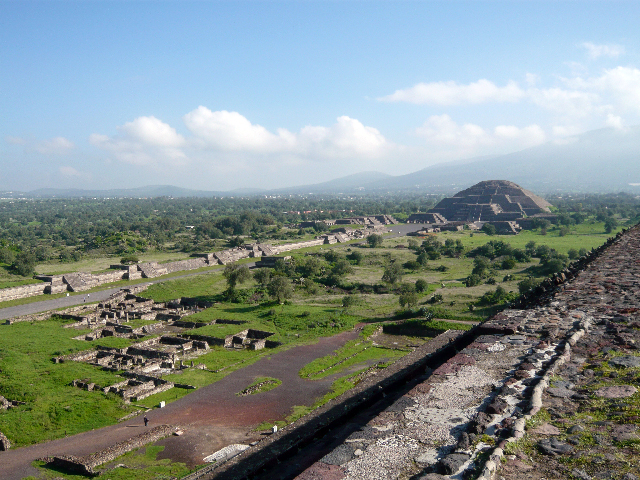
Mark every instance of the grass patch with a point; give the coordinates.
(352, 353)
(52, 407)
(260, 385)
(140, 464)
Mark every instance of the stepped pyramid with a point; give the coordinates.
(491, 201)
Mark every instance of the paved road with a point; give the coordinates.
(73, 300)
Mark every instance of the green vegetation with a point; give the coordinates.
(52, 407)
(352, 353)
(323, 291)
(260, 385)
(141, 464)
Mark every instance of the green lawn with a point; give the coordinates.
(52, 407)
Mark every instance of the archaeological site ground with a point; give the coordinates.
(492, 334)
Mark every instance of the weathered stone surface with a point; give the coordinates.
(580, 474)
(617, 391)
(452, 462)
(575, 429)
(322, 471)
(560, 392)
(342, 454)
(546, 429)
(628, 361)
(623, 433)
(497, 406)
(5, 444)
(551, 446)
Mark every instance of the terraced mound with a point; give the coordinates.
(491, 200)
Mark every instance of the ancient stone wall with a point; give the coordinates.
(22, 291)
(87, 465)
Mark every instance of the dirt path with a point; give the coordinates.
(212, 417)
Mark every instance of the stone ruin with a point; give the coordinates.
(83, 281)
(249, 339)
(145, 362)
(5, 444)
(499, 202)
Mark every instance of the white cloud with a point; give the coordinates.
(614, 121)
(532, 79)
(569, 103)
(346, 137)
(55, 146)
(596, 51)
(15, 140)
(453, 93)
(144, 141)
(231, 131)
(229, 140)
(448, 140)
(68, 171)
(151, 131)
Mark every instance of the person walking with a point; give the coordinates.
(146, 421)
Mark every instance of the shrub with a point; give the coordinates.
(408, 299)
(472, 280)
(421, 285)
(508, 263)
(374, 240)
(527, 284)
(436, 298)
(129, 260)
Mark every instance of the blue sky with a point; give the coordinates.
(219, 95)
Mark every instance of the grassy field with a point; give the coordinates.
(53, 409)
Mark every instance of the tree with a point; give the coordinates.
(527, 284)
(480, 266)
(355, 257)
(392, 273)
(351, 300)
(280, 289)
(7, 256)
(236, 274)
(374, 240)
(408, 300)
(489, 229)
(421, 285)
(610, 224)
(24, 264)
(341, 268)
(262, 276)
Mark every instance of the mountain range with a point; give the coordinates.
(599, 161)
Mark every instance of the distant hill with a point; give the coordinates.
(359, 182)
(140, 192)
(605, 160)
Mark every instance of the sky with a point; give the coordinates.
(219, 95)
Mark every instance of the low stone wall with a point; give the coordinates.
(87, 465)
(5, 444)
(287, 247)
(189, 264)
(23, 291)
